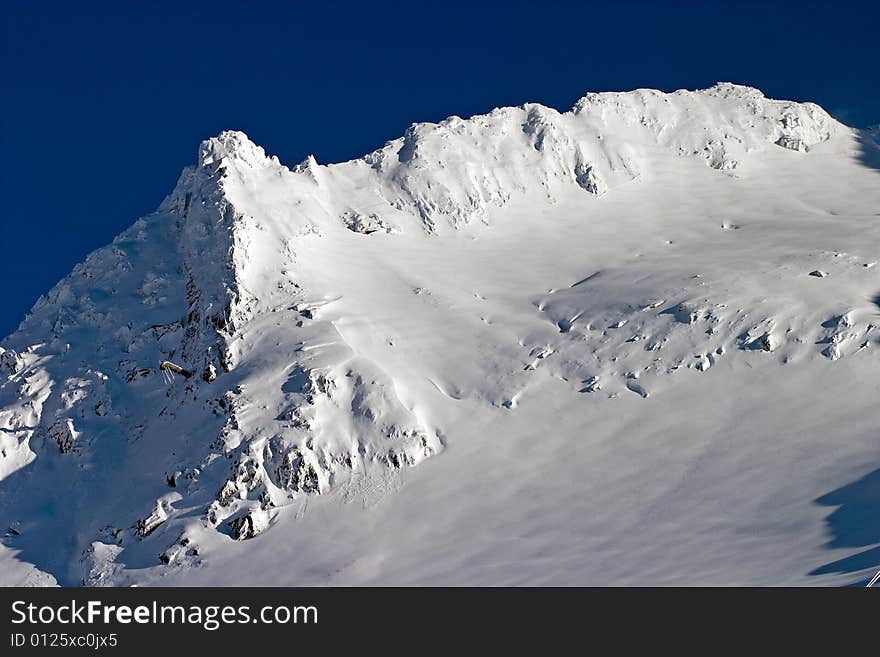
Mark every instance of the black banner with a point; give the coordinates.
(247, 620)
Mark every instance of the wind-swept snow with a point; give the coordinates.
(636, 342)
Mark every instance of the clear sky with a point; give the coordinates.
(104, 103)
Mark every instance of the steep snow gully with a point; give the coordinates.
(632, 343)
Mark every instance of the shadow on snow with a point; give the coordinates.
(855, 523)
(869, 148)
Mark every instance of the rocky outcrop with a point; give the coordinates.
(64, 435)
(10, 362)
(149, 524)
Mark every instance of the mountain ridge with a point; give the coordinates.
(796, 126)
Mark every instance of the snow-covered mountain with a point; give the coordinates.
(632, 343)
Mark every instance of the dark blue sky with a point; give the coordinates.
(104, 103)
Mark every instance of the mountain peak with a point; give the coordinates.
(733, 90)
(231, 144)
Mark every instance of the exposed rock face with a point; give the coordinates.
(209, 374)
(146, 526)
(10, 362)
(366, 224)
(249, 525)
(64, 435)
(588, 179)
(792, 144)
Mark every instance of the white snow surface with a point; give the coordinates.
(634, 343)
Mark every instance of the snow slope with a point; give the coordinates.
(632, 343)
